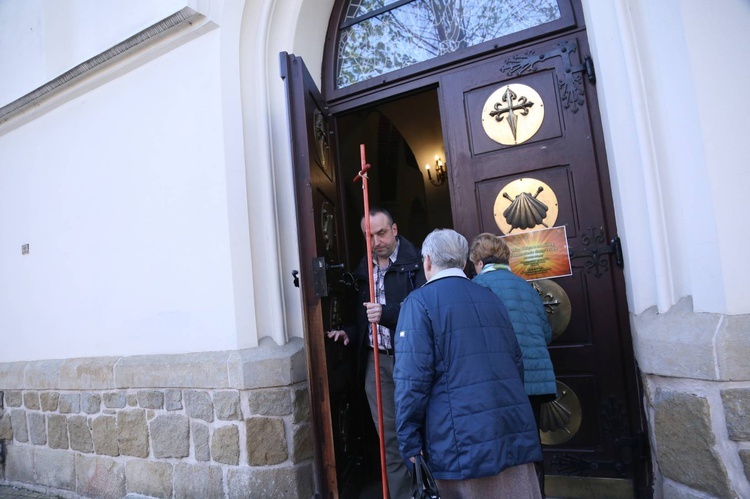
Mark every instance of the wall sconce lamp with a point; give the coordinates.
(440, 174)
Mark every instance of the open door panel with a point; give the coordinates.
(326, 286)
(305, 108)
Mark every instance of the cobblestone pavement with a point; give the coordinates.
(10, 492)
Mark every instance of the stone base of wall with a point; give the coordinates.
(213, 425)
(697, 379)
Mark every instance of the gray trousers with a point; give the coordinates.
(399, 480)
(518, 482)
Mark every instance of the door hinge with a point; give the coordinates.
(595, 250)
(616, 246)
(587, 67)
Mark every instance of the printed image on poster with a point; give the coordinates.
(539, 254)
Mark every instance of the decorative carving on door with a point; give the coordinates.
(556, 304)
(320, 129)
(327, 225)
(525, 204)
(595, 250)
(513, 114)
(560, 419)
(570, 85)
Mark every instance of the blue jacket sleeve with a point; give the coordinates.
(413, 375)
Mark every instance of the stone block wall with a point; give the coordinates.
(697, 378)
(154, 426)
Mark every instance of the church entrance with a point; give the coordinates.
(515, 125)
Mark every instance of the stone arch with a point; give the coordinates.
(260, 162)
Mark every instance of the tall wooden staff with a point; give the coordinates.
(365, 189)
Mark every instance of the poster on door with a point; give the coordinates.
(539, 254)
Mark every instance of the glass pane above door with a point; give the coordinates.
(378, 36)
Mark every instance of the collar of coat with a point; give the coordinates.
(408, 255)
(494, 266)
(453, 272)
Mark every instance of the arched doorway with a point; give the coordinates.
(594, 438)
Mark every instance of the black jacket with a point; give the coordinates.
(401, 278)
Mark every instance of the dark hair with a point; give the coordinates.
(374, 210)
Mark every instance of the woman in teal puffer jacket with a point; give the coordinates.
(490, 256)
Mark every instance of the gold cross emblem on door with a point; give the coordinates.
(513, 114)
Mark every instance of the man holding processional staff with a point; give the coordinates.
(391, 271)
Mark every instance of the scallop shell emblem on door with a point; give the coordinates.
(525, 204)
(560, 419)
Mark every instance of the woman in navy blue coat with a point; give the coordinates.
(458, 380)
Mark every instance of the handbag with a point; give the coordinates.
(423, 484)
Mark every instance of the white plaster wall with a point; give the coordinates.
(240, 183)
(677, 179)
(678, 151)
(615, 84)
(717, 41)
(121, 195)
(298, 27)
(41, 39)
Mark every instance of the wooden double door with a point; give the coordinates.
(595, 439)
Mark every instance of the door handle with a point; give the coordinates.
(320, 269)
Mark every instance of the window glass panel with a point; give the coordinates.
(425, 29)
(358, 8)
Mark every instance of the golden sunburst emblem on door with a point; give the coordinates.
(513, 114)
(525, 204)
